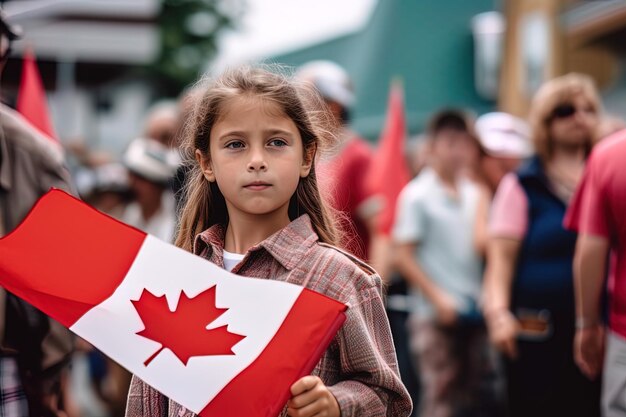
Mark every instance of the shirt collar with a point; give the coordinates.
(288, 246)
(533, 169)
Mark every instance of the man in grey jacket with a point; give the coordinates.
(34, 349)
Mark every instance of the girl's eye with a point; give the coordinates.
(235, 145)
(277, 142)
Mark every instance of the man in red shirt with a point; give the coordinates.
(342, 175)
(598, 215)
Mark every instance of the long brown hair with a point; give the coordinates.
(550, 95)
(204, 204)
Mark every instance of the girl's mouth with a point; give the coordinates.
(257, 186)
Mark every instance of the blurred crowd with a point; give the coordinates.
(479, 264)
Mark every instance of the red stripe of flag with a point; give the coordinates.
(87, 267)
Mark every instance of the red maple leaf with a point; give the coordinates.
(184, 331)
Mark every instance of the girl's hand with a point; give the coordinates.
(503, 328)
(310, 397)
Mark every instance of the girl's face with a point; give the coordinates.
(256, 157)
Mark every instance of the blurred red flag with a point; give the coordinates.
(31, 98)
(389, 172)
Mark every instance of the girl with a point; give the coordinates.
(253, 206)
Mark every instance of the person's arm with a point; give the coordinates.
(589, 272)
(370, 382)
(502, 325)
(410, 229)
(410, 269)
(481, 222)
(507, 227)
(145, 401)
(589, 216)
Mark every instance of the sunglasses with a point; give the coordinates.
(564, 111)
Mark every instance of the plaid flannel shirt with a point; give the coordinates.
(360, 366)
(13, 401)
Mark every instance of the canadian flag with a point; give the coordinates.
(200, 335)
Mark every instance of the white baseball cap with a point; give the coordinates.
(330, 79)
(504, 135)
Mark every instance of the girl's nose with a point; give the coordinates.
(257, 162)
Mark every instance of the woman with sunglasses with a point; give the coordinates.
(529, 295)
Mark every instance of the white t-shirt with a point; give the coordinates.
(231, 260)
(442, 226)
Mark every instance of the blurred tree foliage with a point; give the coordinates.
(189, 31)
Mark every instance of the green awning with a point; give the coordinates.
(426, 43)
